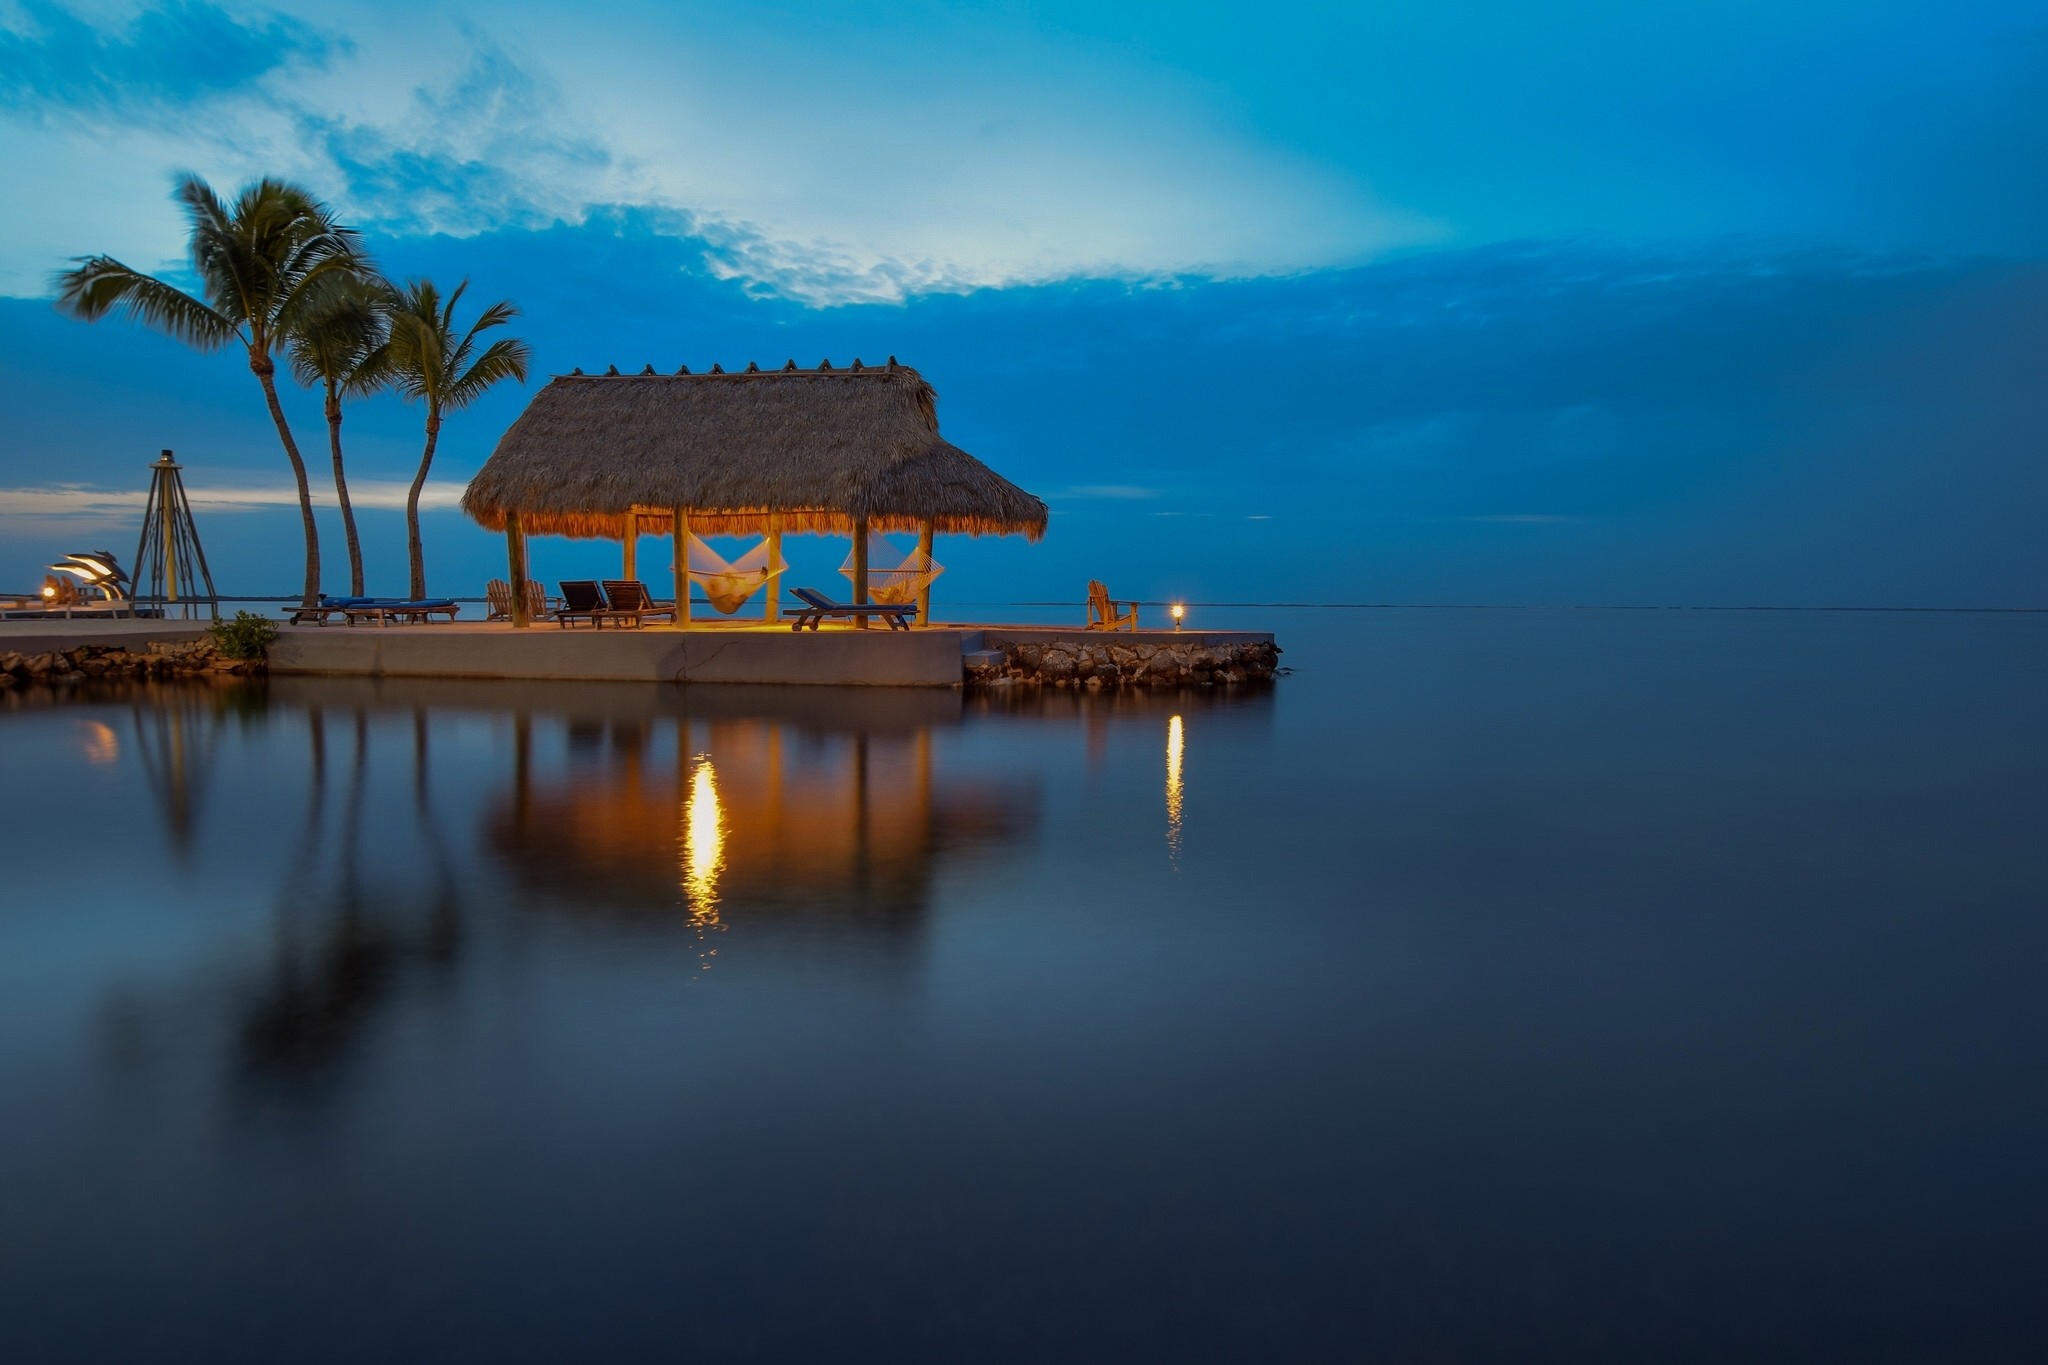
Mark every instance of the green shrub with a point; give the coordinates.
(248, 636)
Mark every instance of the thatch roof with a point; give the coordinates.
(816, 448)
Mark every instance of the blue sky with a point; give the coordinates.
(1457, 302)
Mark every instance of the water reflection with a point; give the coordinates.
(1175, 744)
(394, 830)
(699, 810)
(365, 908)
(703, 842)
(102, 746)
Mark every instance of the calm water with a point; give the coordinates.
(1501, 986)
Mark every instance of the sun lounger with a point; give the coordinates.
(298, 615)
(817, 607)
(383, 612)
(582, 600)
(627, 599)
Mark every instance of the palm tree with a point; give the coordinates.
(430, 363)
(342, 348)
(262, 264)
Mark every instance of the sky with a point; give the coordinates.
(1726, 304)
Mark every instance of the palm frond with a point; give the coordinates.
(372, 372)
(497, 315)
(503, 359)
(427, 360)
(339, 329)
(308, 288)
(101, 285)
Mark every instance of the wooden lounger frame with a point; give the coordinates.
(817, 607)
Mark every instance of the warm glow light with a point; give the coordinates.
(102, 745)
(49, 590)
(1175, 742)
(703, 841)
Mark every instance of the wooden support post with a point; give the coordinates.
(924, 589)
(629, 559)
(515, 564)
(860, 569)
(682, 567)
(772, 610)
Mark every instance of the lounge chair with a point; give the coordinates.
(498, 597)
(817, 607)
(383, 612)
(298, 615)
(327, 607)
(1106, 613)
(582, 600)
(627, 599)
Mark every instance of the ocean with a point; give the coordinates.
(1498, 985)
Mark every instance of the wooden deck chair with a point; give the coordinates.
(498, 597)
(1106, 613)
(582, 600)
(627, 599)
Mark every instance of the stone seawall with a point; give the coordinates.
(158, 659)
(1137, 663)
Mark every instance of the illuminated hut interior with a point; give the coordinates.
(852, 451)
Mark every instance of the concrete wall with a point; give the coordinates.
(874, 658)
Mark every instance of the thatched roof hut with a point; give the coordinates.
(815, 450)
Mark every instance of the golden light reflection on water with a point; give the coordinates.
(1175, 744)
(102, 745)
(703, 842)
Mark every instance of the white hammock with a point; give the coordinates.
(894, 579)
(727, 586)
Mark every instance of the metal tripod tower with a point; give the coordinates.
(170, 568)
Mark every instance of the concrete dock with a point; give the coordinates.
(837, 655)
(699, 654)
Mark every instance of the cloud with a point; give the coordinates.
(808, 168)
(54, 63)
(1115, 492)
(1521, 519)
(80, 506)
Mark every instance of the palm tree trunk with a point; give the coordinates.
(266, 373)
(348, 513)
(415, 549)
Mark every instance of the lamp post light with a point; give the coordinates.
(1178, 612)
